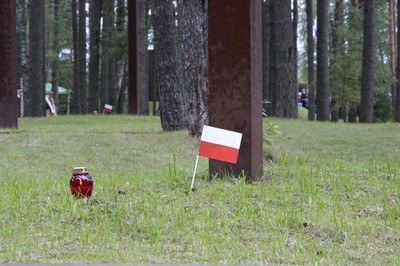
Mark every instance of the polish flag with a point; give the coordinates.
(108, 108)
(220, 144)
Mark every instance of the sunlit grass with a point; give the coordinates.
(330, 195)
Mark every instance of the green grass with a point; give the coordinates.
(330, 195)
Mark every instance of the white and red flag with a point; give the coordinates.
(108, 108)
(220, 144)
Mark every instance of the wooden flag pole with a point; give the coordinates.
(194, 173)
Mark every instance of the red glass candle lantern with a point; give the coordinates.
(81, 183)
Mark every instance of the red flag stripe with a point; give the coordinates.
(218, 152)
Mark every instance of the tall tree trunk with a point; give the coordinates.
(56, 51)
(77, 107)
(367, 78)
(310, 60)
(143, 60)
(107, 55)
(82, 56)
(323, 100)
(173, 105)
(337, 56)
(8, 65)
(284, 57)
(193, 24)
(295, 25)
(94, 63)
(266, 45)
(120, 64)
(397, 109)
(393, 50)
(35, 96)
(22, 51)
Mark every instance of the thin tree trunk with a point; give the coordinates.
(266, 27)
(393, 50)
(76, 89)
(143, 60)
(323, 100)
(397, 109)
(35, 96)
(310, 60)
(22, 48)
(107, 65)
(367, 79)
(82, 56)
(295, 24)
(94, 63)
(56, 50)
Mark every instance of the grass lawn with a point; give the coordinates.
(330, 195)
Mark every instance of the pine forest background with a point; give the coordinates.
(343, 52)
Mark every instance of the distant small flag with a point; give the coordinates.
(108, 108)
(220, 144)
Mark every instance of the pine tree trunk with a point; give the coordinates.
(94, 63)
(310, 60)
(143, 60)
(393, 51)
(367, 79)
(35, 96)
(295, 25)
(56, 50)
(107, 62)
(77, 107)
(266, 44)
(82, 56)
(173, 104)
(284, 57)
(193, 18)
(8, 65)
(397, 109)
(323, 100)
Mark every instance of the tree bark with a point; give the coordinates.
(193, 18)
(323, 100)
(393, 50)
(266, 44)
(8, 65)
(107, 56)
(94, 63)
(173, 104)
(35, 96)
(82, 56)
(397, 109)
(367, 78)
(143, 60)
(284, 57)
(56, 51)
(310, 60)
(77, 107)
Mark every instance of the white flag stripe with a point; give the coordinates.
(107, 106)
(221, 137)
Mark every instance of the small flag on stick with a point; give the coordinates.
(107, 108)
(218, 144)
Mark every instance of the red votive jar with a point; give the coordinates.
(81, 183)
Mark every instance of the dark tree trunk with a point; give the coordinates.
(295, 25)
(367, 79)
(397, 109)
(56, 50)
(77, 107)
(337, 51)
(173, 104)
(323, 100)
(284, 60)
(8, 65)
(143, 60)
(82, 56)
(22, 51)
(310, 60)
(35, 96)
(266, 45)
(393, 52)
(107, 55)
(193, 18)
(94, 63)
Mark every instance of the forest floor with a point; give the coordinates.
(330, 195)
